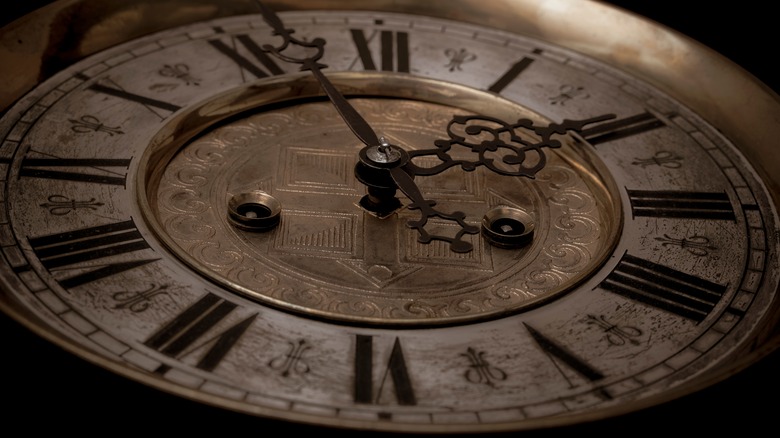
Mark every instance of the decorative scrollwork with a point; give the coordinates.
(292, 362)
(59, 205)
(179, 71)
(307, 63)
(458, 58)
(661, 158)
(88, 123)
(615, 334)
(480, 370)
(696, 245)
(498, 145)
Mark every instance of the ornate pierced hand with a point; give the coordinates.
(519, 155)
(384, 167)
(378, 155)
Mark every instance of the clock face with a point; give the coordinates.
(647, 263)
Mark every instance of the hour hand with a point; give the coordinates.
(512, 149)
(383, 169)
(356, 123)
(381, 164)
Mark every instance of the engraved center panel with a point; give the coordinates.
(329, 258)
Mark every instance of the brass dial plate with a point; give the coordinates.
(328, 258)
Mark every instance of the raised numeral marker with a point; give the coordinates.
(665, 288)
(511, 74)
(396, 368)
(554, 349)
(621, 128)
(192, 324)
(394, 50)
(87, 244)
(94, 169)
(271, 68)
(126, 95)
(679, 204)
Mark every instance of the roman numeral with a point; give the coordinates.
(132, 97)
(511, 74)
(93, 170)
(621, 128)
(396, 369)
(680, 204)
(265, 65)
(185, 330)
(394, 50)
(664, 288)
(76, 247)
(554, 349)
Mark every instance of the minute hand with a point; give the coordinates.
(359, 126)
(365, 133)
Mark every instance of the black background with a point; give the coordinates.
(44, 389)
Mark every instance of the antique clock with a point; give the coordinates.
(397, 217)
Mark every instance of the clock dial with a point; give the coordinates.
(652, 264)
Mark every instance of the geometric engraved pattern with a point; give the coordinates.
(317, 233)
(315, 169)
(449, 185)
(328, 255)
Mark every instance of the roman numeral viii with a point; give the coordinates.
(185, 333)
(75, 249)
(394, 50)
(665, 288)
